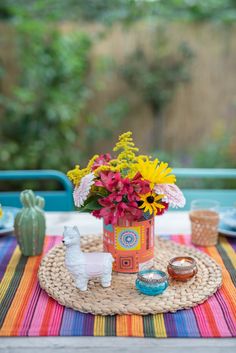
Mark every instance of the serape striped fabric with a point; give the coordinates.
(26, 310)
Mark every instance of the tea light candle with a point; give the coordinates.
(182, 268)
(151, 282)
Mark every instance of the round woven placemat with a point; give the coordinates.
(122, 297)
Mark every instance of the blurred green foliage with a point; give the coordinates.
(45, 123)
(45, 105)
(217, 153)
(155, 77)
(47, 120)
(127, 11)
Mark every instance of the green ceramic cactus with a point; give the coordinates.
(30, 224)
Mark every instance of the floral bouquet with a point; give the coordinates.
(130, 187)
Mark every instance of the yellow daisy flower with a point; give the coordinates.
(154, 173)
(150, 202)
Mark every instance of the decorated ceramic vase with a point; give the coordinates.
(131, 244)
(30, 224)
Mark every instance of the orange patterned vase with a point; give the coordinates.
(131, 244)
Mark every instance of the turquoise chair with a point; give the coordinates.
(62, 200)
(226, 197)
(55, 200)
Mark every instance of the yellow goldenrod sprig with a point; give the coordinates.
(91, 162)
(110, 168)
(127, 147)
(76, 174)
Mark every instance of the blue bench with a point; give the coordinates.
(62, 200)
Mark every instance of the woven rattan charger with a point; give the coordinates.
(122, 297)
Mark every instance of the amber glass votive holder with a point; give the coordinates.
(182, 268)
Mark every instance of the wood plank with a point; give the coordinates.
(115, 345)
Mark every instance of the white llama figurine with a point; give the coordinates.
(84, 266)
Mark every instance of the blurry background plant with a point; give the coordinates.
(46, 102)
(59, 100)
(127, 11)
(218, 153)
(155, 77)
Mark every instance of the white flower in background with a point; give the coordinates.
(81, 191)
(173, 195)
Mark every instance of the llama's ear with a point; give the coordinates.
(76, 229)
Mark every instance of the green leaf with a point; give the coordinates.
(91, 204)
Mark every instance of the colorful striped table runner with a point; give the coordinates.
(26, 310)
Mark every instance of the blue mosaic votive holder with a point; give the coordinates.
(151, 282)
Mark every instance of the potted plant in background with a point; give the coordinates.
(127, 192)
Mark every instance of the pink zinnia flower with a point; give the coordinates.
(173, 194)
